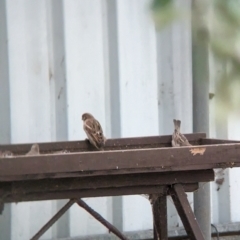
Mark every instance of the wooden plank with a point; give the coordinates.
(160, 217)
(79, 193)
(144, 179)
(111, 144)
(123, 162)
(185, 212)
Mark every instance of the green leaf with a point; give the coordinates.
(156, 4)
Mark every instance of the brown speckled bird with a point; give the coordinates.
(93, 130)
(34, 150)
(178, 139)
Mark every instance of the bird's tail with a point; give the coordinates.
(177, 124)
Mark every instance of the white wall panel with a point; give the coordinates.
(86, 78)
(137, 64)
(234, 180)
(85, 75)
(28, 71)
(5, 126)
(175, 74)
(175, 85)
(138, 92)
(29, 97)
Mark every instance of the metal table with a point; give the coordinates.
(144, 165)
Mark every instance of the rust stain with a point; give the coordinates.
(196, 151)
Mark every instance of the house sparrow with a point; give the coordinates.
(178, 139)
(34, 150)
(219, 177)
(93, 130)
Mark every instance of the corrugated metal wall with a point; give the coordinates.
(60, 58)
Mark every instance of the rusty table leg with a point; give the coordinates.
(103, 221)
(185, 212)
(53, 219)
(160, 217)
(155, 235)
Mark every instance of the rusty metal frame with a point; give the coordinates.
(128, 166)
(53, 219)
(185, 212)
(82, 204)
(116, 162)
(160, 217)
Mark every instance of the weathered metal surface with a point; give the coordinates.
(94, 193)
(100, 192)
(111, 144)
(209, 141)
(185, 212)
(160, 218)
(99, 218)
(142, 166)
(120, 162)
(81, 193)
(155, 236)
(99, 185)
(94, 182)
(53, 219)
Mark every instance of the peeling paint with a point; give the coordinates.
(196, 151)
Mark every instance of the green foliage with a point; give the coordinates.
(164, 12)
(218, 23)
(157, 4)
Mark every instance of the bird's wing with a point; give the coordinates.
(183, 140)
(94, 129)
(99, 133)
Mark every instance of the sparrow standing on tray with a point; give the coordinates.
(93, 130)
(178, 139)
(34, 150)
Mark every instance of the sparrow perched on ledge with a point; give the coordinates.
(34, 150)
(93, 130)
(219, 177)
(178, 139)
